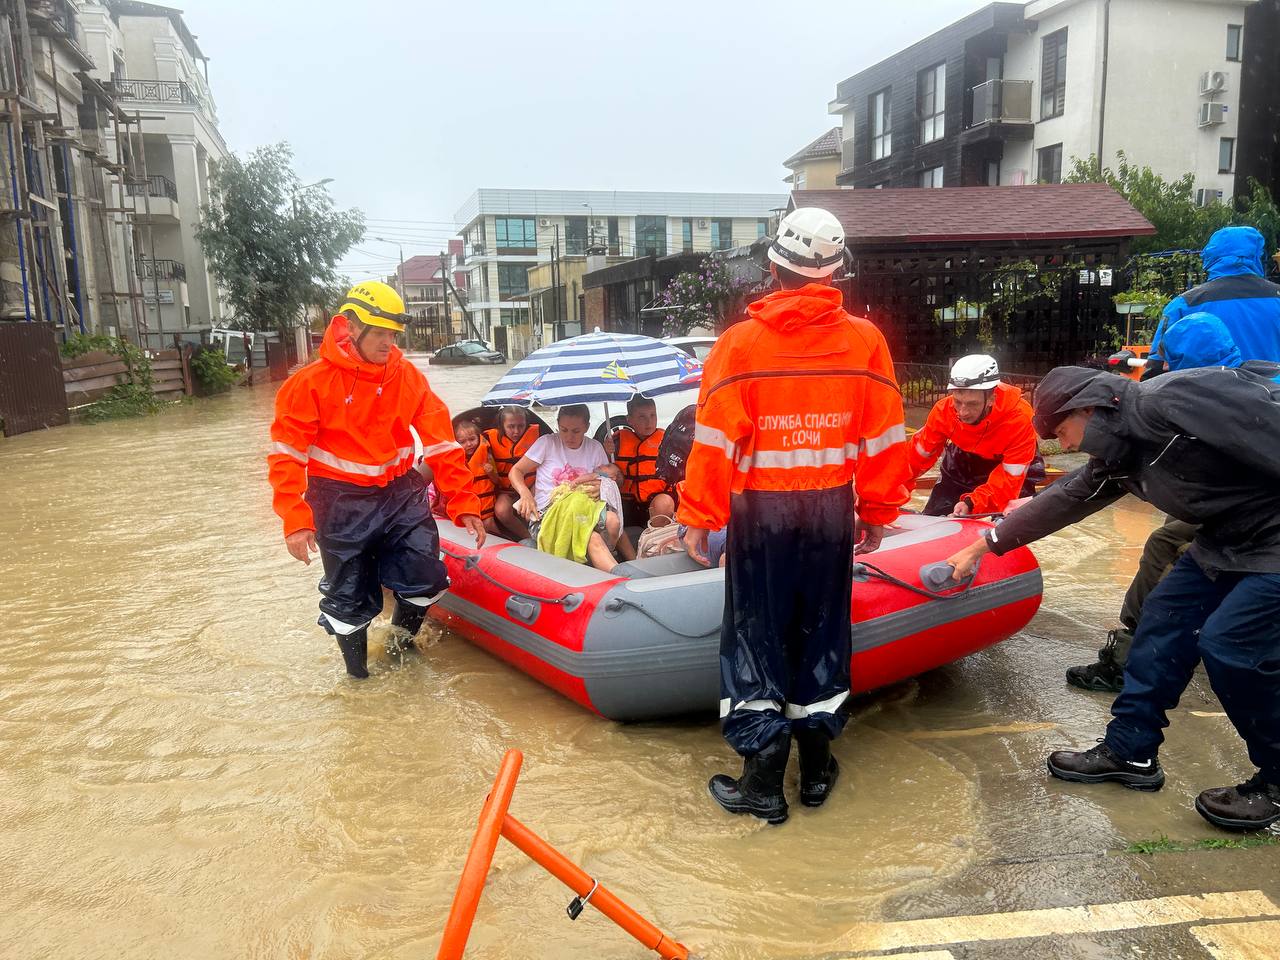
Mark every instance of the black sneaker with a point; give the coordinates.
(1101, 677)
(1099, 765)
(1252, 805)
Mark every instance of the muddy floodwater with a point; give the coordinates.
(189, 773)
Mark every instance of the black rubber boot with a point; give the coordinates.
(1252, 805)
(759, 790)
(818, 768)
(355, 652)
(407, 617)
(1099, 765)
(1105, 676)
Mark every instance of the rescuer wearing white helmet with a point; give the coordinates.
(982, 429)
(796, 401)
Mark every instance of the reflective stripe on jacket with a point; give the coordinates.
(638, 460)
(507, 454)
(347, 419)
(800, 396)
(1004, 434)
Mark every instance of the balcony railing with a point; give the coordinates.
(161, 269)
(1002, 101)
(156, 185)
(157, 91)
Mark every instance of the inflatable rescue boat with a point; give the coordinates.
(642, 641)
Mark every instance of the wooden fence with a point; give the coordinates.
(92, 376)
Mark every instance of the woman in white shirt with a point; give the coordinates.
(568, 456)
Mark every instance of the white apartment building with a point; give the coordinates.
(146, 54)
(505, 232)
(1013, 92)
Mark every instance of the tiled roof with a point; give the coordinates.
(927, 215)
(827, 145)
(421, 269)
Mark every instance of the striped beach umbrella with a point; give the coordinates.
(596, 368)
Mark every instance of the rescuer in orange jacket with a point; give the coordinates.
(796, 401)
(983, 431)
(341, 466)
(644, 494)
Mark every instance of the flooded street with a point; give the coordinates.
(188, 771)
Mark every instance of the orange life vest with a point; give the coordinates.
(482, 481)
(639, 461)
(507, 454)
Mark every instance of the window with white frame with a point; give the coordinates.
(931, 177)
(931, 102)
(881, 119)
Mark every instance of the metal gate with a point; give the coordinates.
(31, 392)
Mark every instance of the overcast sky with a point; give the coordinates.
(411, 106)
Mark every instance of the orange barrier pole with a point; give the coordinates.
(458, 927)
(578, 880)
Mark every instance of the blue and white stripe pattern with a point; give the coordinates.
(596, 367)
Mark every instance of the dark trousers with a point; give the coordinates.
(1166, 543)
(962, 472)
(786, 641)
(1232, 623)
(371, 537)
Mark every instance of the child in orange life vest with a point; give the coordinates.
(645, 495)
(484, 472)
(508, 442)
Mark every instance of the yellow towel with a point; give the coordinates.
(567, 524)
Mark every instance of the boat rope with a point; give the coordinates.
(471, 561)
(614, 603)
(870, 569)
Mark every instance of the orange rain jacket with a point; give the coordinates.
(800, 396)
(347, 419)
(1004, 434)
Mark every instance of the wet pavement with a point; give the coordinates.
(188, 772)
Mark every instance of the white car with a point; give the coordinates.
(668, 404)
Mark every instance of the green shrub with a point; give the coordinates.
(209, 367)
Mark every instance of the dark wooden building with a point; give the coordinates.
(1039, 262)
(619, 297)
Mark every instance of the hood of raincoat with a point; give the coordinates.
(1199, 340)
(1233, 251)
(814, 304)
(339, 348)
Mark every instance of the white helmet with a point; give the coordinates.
(810, 242)
(977, 371)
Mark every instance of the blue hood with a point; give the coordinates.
(1233, 251)
(1199, 340)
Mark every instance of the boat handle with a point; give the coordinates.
(520, 608)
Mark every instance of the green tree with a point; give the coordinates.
(272, 247)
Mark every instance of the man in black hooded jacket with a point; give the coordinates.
(1204, 446)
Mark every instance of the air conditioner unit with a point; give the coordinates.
(1212, 113)
(477, 249)
(1212, 81)
(597, 223)
(1206, 196)
(544, 222)
(702, 224)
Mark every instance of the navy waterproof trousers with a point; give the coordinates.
(786, 640)
(371, 537)
(1232, 623)
(962, 472)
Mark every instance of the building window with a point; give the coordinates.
(762, 227)
(651, 236)
(880, 121)
(1226, 154)
(515, 233)
(931, 177)
(880, 186)
(931, 102)
(575, 236)
(1235, 33)
(798, 179)
(513, 280)
(512, 318)
(1049, 164)
(686, 235)
(991, 174)
(721, 234)
(1053, 75)
(614, 246)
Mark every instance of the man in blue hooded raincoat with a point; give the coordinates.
(1236, 292)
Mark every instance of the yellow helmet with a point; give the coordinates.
(376, 304)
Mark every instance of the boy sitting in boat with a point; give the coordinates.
(645, 494)
(569, 456)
